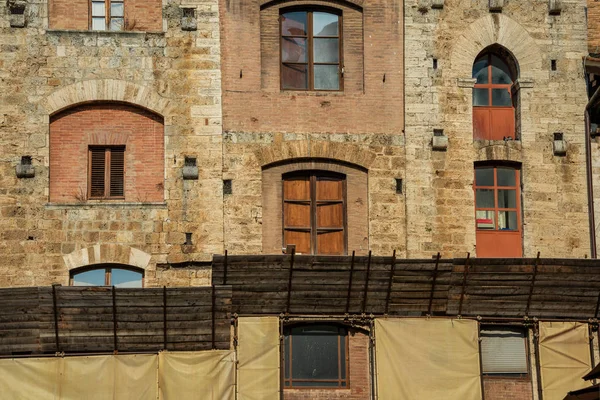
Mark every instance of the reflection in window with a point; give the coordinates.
(310, 50)
(496, 198)
(107, 15)
(316, 356)
(108, 276)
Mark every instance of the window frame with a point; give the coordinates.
(107, 272)
(313, 176)
(504, 375)
(107, 171)
(310, 45)
(107, 15)
(489, 86)
(342, 331)
(495, 187)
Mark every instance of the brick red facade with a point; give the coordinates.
(73, 130)
(140, 15)
(593, 20)
(360, 387)
(507, 388)
(372, 99)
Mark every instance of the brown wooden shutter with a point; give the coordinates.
(97, 171)
(330, 215)
(117, 168)
(297, 213)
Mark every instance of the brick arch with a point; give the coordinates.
(111, 90)
(495, 29)
(107, 253)
(357, 4)
(310, 149)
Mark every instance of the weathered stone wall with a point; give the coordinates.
(175, 74)
(440, 199)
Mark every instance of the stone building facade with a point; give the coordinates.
(200, 91)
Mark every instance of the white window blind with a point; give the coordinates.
(503, 350)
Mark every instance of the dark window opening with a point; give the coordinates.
(316, 356)
(311, 51)
(106, 172)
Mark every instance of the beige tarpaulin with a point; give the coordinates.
(207, 375)
(436, 359)
(90, 377)
(564, 358)
(258, 358)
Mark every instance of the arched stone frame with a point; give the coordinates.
(107, 91)
(107, 253)
(499, 30)
(356, 200)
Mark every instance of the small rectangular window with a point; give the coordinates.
(106, 172)
(503, 350)
(107, 15)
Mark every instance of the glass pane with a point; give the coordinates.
(480, 97)
(326, 77)
(125, 279)
(484, 176)
(506, 176)
(501, 97)
(294, 76)
(293, 23)
(315, 353)
(480, 70)
(116, 9)
(484, 198)
(507, 220)
(500, 71)
(326, 50)
(325, 24)
(293, 50)
(116, 24)
(94, 277)
(507, 198)
(98, 9)
(484, 219)
(98, 24)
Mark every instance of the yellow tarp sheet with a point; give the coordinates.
(258, 358)
(564, 358)
(90, 377)
(436, 359)
(208, 375)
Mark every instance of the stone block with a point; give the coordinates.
(496, 5)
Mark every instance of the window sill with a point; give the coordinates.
(105, 33)
(316, 93)
(105, 203)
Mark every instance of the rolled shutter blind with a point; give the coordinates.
(503, 351)
(117, 168)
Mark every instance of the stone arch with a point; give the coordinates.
(307, 149)
(107, 253)
(495, 29)
(106, 90)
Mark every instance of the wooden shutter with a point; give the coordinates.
(503, 350)
(117, 168)
(297, 213)
(97, 170)
(330, 215)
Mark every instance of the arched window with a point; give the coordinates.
(493, 103)
(316, 355)
(108, 275)
(311, 49)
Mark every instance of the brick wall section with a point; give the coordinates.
(360, 387)
(254, 101)
(72, 131)
(593, 20)
(69, 14)
(507, 389)
(140, 15)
